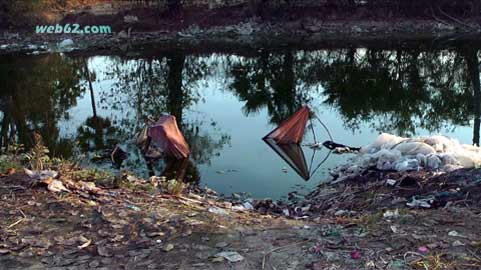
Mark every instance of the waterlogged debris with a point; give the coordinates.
(230, 256)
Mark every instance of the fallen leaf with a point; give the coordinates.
(11, 171)
(86, 244)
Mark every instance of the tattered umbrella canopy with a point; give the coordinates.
(166, 135)
(293, 155)
(292, 129)
(286, 138)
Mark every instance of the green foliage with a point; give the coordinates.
(94, 175)
(8, 162)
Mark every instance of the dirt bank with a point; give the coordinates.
(231, 26)
(98, 222)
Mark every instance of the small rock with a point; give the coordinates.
(458, 243)
(103, 251)
(168, 247)
(217, 259)
(67, 43)
(231, 256)
(222, 244)
(94, 264)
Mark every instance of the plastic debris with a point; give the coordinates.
(41, 175)
(217, 210)
(391, 182)
(390, 152)
(391, 214)
(423, 250)
(458, 243)
(230, 256)
(56, 186)
(356, 255)
(422, 203)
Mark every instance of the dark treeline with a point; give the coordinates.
(14, 12)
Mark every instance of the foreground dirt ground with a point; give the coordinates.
(132, 228)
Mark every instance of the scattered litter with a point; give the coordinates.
(217, 210)
(391, 182)
(422, 203)
(423, 250)
(217, 259)
(40, 175)
(391, 214)
(56, 185)
(133, 207)
(86, 244)
(168, 247)
(356, 255)
(231, 256)
(458, 243)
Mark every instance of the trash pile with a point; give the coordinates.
(392, 153)
(417, 173)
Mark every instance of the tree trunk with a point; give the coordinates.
(174, 81)
(473, 73)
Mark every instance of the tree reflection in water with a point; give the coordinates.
(398, 91)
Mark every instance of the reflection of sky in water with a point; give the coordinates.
(247, 163)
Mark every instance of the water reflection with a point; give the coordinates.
(89, 105)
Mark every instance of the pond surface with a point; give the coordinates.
(226, 102)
